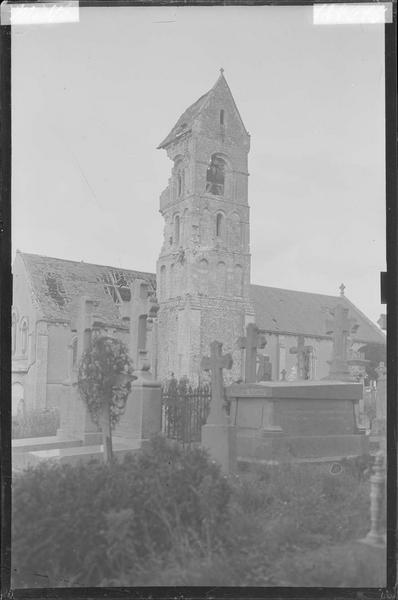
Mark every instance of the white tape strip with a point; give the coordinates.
(352, 14)
(40, 13)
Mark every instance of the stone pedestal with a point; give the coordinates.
(279, 421)
(220, 441)
(75, 420)
(142, 418)
(379, 425)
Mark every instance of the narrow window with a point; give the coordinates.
(219, 225)
(162, 281)
(179, 184)
(74, 353)
(222, 117)
(24, 337)
(14, 333)
(177, 230)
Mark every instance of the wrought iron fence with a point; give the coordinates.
(185, 410)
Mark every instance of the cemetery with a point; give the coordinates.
(280, 480)
(189, 427)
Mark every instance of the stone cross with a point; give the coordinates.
(341, 327)
(215, 364)
(283, 373)
(303, 353)
(254, 339)
(84, 323)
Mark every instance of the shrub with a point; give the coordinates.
(35, 423)
(87, 524)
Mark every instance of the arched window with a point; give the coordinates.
(176, 230)
(204, 276)
(74, 353)
(179, 184)
(162, 281)
(215, 176)
(13, 333)
(219, 225)
(24, 336)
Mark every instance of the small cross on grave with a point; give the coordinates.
(215, 364)
(340, 327)
(264, 371)
(303, 353)
(254, 339)
(283, 373)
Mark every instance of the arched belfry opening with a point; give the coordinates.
(215, 176)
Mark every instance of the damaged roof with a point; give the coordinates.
(187, 119)
(58, 283)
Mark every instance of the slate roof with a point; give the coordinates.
(276, 310)
(293, 312)
(185, 122)
(57, 283)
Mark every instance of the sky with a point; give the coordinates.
(92, 100)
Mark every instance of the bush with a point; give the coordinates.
(167, 516)
(35, 423)
(91, 524)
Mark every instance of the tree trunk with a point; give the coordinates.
(106, 433)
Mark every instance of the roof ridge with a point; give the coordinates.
(271, 287)
(82, 262)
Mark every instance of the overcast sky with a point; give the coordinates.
(91, 101)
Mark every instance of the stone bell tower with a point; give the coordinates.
(203, 270)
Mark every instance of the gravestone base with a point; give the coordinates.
(281, 448)
(220, 441)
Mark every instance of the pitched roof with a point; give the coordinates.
(293, 312)
(185, 122)
(57, 283)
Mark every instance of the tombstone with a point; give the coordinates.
(142, 418)
(379, 424)
(253, 340)
(264, 370)
(303, 353)
(340, 327)
(75, 419)
(218, 435)
(283, 373)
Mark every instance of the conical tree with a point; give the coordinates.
(104, 382)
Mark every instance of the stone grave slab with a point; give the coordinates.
(297, 420)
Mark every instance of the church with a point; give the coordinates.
(202, 289)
